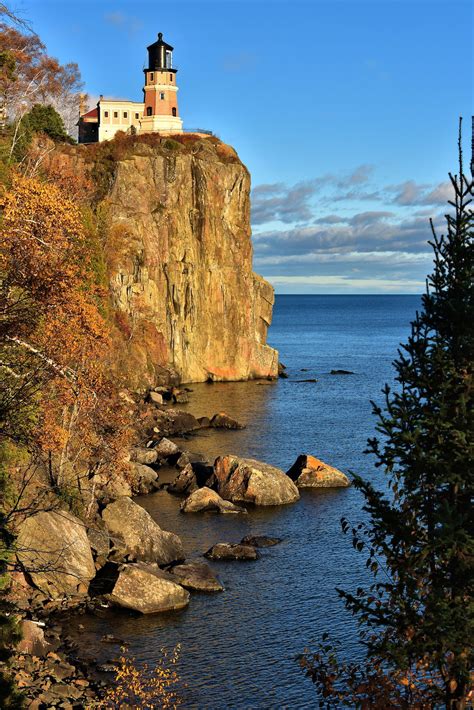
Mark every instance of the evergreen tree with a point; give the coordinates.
(416, 618)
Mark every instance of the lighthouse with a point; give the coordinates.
(160, 91)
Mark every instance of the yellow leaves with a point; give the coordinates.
(142, 687)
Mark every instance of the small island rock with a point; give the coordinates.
(310, 472)
(260, 540)
(197, 576)
(248, 481)
(228, 551)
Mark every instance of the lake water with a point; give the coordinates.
(238, 647)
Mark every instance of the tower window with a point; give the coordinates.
(162, 95)
(148, 110)
(115, 114)
(171, 77)
(125, 114)
(137, 116)
(173, 111)
(152, 76)
(106, 114)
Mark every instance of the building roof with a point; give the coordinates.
(160, 43)
(93, 113)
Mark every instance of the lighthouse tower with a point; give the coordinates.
(160, 112)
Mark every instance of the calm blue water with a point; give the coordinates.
(239, 647)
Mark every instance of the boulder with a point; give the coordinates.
(204, 422)
(145, 478)
(205, 499)
(281, 370)
(144, 456)
(54, 549)
(310, 472)
(147, 589)
(166, 448)
(228, 551)
(260, 540)
(155, 398)
(223, 421)
(143, 539)
(184, 483)
(248, 481)
(197, 576)
(33, 641)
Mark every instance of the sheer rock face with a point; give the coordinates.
(181, 266)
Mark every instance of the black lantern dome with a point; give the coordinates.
(160, 55)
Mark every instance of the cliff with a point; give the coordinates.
(179, 259)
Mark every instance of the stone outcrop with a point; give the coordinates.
(142, 538)
(197, 576)
(148, 590)
(248, 481)
(205, 499)
(310, 472)
(54, 549)
(231, 551)
(179, 258)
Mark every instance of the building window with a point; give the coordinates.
(152, 76)
(173, 111)
(106, 114)
(148, 111)
(137, 116)
(171, 77)
(125, 114)
(115, 114)
(162, 95)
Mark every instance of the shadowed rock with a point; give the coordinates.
(260, 540)
(310, 472)
(223, 421)
(197, 576)
(228, 551)
(248, 481)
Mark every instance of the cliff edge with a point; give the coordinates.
(179, 259)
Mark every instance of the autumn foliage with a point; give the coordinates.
(58, 401)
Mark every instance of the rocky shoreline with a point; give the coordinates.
(120, 557)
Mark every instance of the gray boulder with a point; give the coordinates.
(155, 398)
(248, 481)
(228, 551)
(143, 539)
(54, 549)
(145, 478)
(144, 456)
(205, 499)
(147, 589)
(166, 448)
(310, 472)
(197, 576)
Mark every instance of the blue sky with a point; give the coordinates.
(344, 111)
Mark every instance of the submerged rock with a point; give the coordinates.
(228, 551)
(54, 549)
(205, 499)
(260, 540)
(341, 372)
(143, 539)
(249, 481)
(148, 590)
(310, 472)
(223, 421)
(197, 576)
